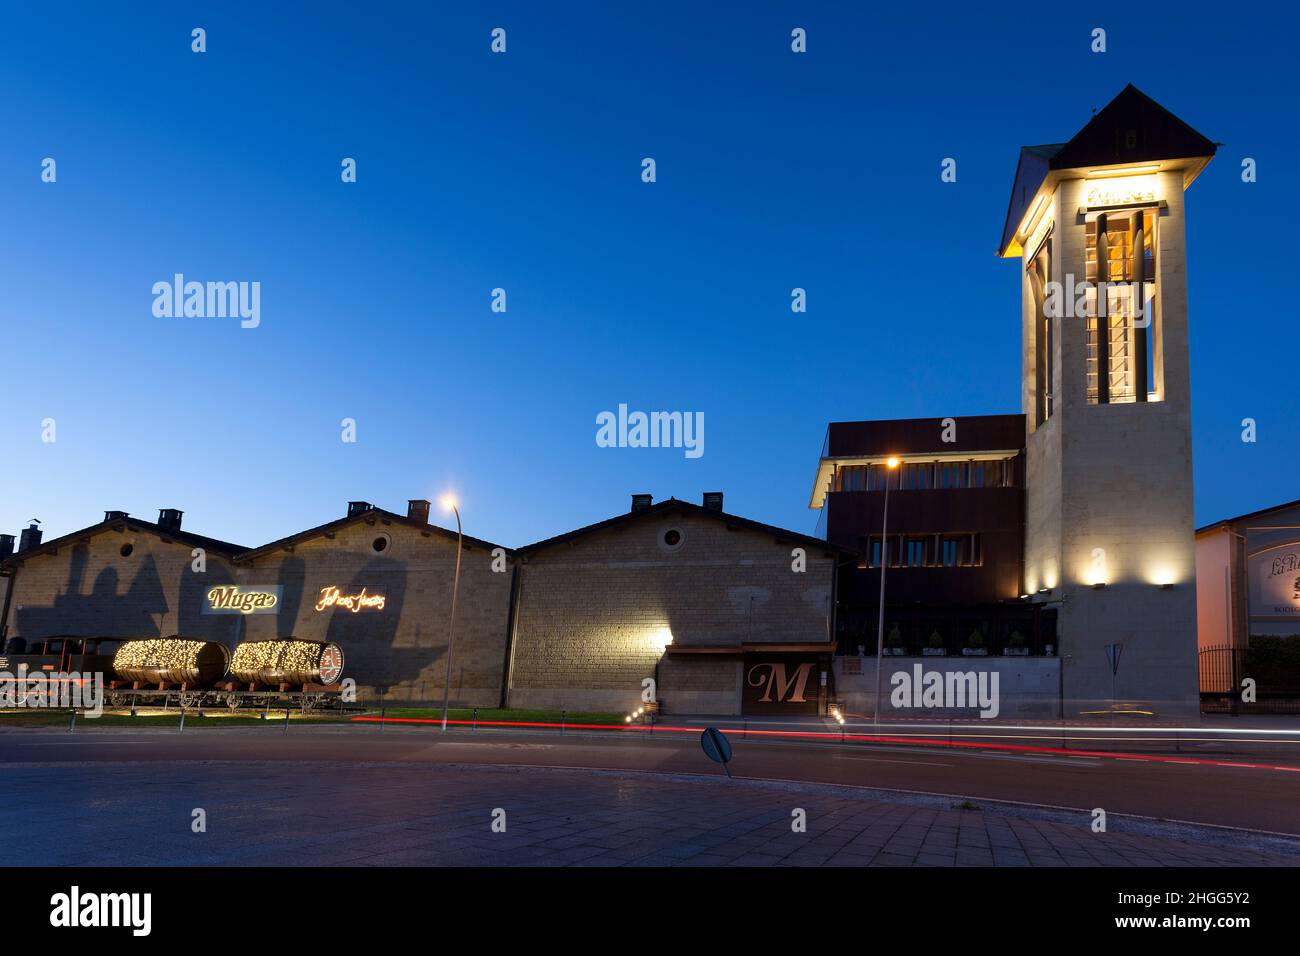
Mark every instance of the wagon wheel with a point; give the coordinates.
(233, 701)
(116, 700)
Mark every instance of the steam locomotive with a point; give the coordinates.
(305, 675)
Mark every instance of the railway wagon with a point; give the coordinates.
(303, 675)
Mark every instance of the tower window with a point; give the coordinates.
(1039, 274)
(1122, 332)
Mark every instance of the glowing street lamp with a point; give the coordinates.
(448, 503)
(890, 464)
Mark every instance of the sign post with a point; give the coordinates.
(1112, 654)
(716, 747)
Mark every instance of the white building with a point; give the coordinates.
(1098, 225)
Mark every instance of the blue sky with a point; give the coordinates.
(522, 171)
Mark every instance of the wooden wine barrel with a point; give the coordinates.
(289, 661)
(172, 660)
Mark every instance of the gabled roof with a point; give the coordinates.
(1228, 522)
(1131, 129)
(369, 515)
(1157, 134)
(123, 523)
(1031, 171)
(686, 507)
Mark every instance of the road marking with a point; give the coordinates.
(1058, 761)
(83, 740)
(910, 763)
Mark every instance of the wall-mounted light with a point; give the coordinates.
(1099, 585)
(1031, 220)
(1123, 171)
(1162, 576)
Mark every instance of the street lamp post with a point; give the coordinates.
(450, 503)
(891, 464)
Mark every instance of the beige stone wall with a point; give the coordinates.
(91, 589)
(1043, 444)
(594, 614)
(397, 654)
(701, 684)
(1125, 486)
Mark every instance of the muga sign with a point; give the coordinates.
(234, 599)
(781, 685)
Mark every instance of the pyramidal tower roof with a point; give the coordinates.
(1132, 129)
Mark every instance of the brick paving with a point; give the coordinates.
(315, 814)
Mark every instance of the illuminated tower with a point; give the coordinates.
(1098, 225)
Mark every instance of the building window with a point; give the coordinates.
(1039, 271)
(1123, 337)
(926, 476)
(926, 551)
(671, 539)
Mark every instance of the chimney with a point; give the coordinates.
(114, 515)
(713, 501)
(169, 519)
(642, 502)
(359, 507)
(6, 545)
(30, 537)
(417, 510)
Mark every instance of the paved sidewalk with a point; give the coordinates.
(317, 814)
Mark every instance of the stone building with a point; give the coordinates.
(1053, 539)
(123, 577)
(1248, 577)
(379, 584)
(1098, 224)
(721, 612)
(1060, 539)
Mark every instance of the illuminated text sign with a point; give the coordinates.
(1275, 582)
(332, 597)
(231, 599)
(1122, 192)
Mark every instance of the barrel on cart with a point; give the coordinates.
(171, 660)
(306, 672)
(288, 662)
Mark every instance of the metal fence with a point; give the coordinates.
(1224, 669)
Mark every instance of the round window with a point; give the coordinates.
(671, 539)
(380, 543)
(126, 550)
